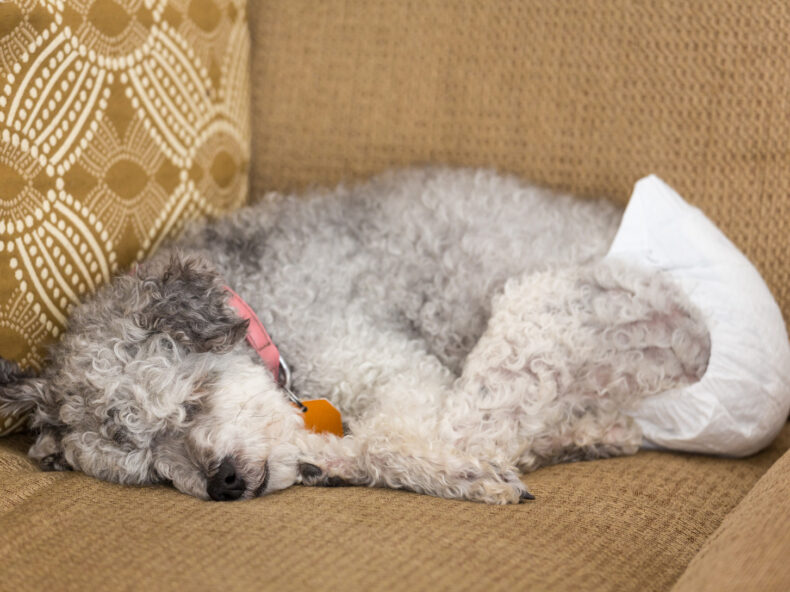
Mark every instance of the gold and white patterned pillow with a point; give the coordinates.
(119, 121)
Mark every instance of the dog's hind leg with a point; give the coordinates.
(566, 354)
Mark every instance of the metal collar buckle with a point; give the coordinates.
(285, 383)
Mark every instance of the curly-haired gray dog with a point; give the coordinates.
(466, 325)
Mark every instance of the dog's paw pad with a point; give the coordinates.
(496, 492)
(309, 472)
(334, 482)
(54, 462)
(313, 475)
(498, 485)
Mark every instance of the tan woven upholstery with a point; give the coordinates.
(622, 524)
(584, 96)
(749, 551)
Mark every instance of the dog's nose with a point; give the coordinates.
(226, 485)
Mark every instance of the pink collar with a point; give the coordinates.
(257, 336)
(319, 415)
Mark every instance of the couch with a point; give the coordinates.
(580, 96)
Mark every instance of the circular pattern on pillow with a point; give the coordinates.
(119, 121)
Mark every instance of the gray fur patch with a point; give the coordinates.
(189, 302)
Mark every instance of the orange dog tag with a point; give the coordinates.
(322, 417)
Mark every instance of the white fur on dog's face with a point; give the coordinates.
(155, 383)
(176, 417)
(241, 416)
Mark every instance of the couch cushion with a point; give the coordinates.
(584, 96)
(750, 550)
(118, 122)
(620, 524)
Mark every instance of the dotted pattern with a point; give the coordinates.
(119, 121)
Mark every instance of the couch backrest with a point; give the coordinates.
(582, 96)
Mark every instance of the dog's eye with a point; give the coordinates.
(190, 410)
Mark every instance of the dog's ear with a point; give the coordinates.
(189, 302)
(20, 392)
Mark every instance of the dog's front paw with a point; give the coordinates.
(313, 475)
(309, 474)
(493, 485)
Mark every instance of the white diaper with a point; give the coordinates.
(743, 399)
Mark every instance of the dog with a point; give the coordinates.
(466, 325)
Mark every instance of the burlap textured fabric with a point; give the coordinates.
(118, 122)
(749, 552)
(622, 524)
(582, 96)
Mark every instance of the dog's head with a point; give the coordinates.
(152, 383)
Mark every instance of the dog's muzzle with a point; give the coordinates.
(226, 485)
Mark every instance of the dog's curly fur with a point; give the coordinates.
(465, 323)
